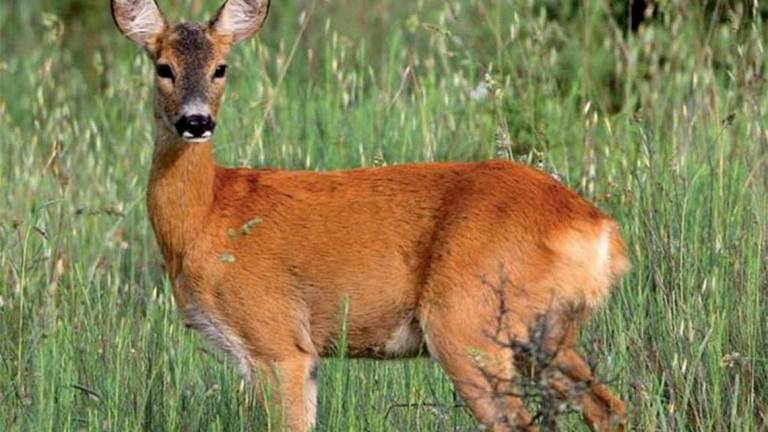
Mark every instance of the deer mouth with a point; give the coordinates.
(188, 137)
(195, 128)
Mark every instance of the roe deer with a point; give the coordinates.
(403, 247)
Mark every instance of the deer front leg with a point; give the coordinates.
(280, 362)
(287, 390)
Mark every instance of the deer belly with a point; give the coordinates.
(394, 336)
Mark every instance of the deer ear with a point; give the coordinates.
(139, 20)
(240, 19)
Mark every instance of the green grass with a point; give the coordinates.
(665, 129)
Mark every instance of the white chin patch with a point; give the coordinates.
(188, 137)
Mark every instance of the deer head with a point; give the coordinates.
(189, 58)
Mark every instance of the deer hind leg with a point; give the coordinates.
(573, 379)
(481, 370)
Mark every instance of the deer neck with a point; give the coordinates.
(179, 193)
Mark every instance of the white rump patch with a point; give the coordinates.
(221, 336)
(406, 339)
(602, 253)
(585, 270)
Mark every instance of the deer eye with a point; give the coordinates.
(220, 71)
(164, 71)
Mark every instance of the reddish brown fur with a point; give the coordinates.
(405, 247)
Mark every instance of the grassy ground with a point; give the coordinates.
(664, 128)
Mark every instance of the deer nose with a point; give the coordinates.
(195, 126)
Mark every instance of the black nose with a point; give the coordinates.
(195, 126)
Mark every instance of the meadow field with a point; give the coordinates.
(662, 123)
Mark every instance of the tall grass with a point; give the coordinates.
(664, 128)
